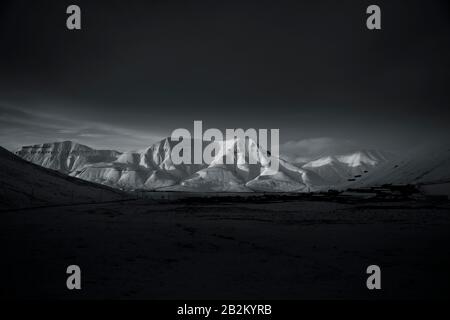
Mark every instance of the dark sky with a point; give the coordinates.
(139, 69)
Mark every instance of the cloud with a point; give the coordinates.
(308, 149)
(23, 127)
(20, 127)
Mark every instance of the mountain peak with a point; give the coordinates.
(64, 156)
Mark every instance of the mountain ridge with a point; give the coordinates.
(152, 168)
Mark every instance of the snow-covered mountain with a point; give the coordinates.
(247, 176)
(152, 168)
(66, 156)
(24, 184)
(427, 166)
(339, 169)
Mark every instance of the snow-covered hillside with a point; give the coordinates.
(24, 184)
(427, 166)
(339, 169)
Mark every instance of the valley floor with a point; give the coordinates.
(277, 250)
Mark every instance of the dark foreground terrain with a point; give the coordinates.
(291, 250)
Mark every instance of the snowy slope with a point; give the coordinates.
(66, 156)
(151, 168)
(218, 178)
(425, 165)
(158, 157)
(337, 170)
(250, 171)
(23, 184)
(222, 175)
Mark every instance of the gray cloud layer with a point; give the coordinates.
(22, 127)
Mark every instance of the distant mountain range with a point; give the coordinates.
(152, 168)
(341, 169)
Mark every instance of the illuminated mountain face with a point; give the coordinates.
(153, 169)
